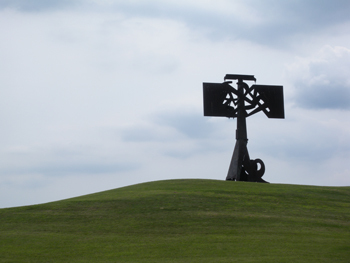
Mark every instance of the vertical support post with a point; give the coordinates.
(240, 151)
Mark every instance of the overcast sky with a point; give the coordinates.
(100, 94)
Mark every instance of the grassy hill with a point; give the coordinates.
(184, 221)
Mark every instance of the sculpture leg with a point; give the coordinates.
(234, 172)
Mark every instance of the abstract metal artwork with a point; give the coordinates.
(222, 100)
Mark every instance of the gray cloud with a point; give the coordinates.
(285, 22)
(320, 96)
(65, 160)
(179, 134)
(64, 169)
(138, 133)
(148, 133)
(86, 168)
(191, 124)
(308, 14)
(323, 81)
(37, 5)
(274, 23)
(170, 126)
(307, 138)
(305, 149)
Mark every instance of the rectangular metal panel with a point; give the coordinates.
(273, 97)
(214, 95)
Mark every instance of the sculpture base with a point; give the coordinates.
(242, 168)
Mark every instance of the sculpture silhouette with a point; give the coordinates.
(222, 100)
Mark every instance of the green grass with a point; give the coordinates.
(184, 221)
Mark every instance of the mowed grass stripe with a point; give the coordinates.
(184, 221)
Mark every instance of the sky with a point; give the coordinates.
(101, 94)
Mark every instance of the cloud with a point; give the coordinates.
(177, 133)
(192, 124)
(64, 160)
(69, 169)
(322, 81)
(273, 23)
(172, 124)
(283, 24)
(269, 23)
(301, 145)
(147, 133)
(311, 14)
(37, 5)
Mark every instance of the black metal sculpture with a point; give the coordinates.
(222, 100)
